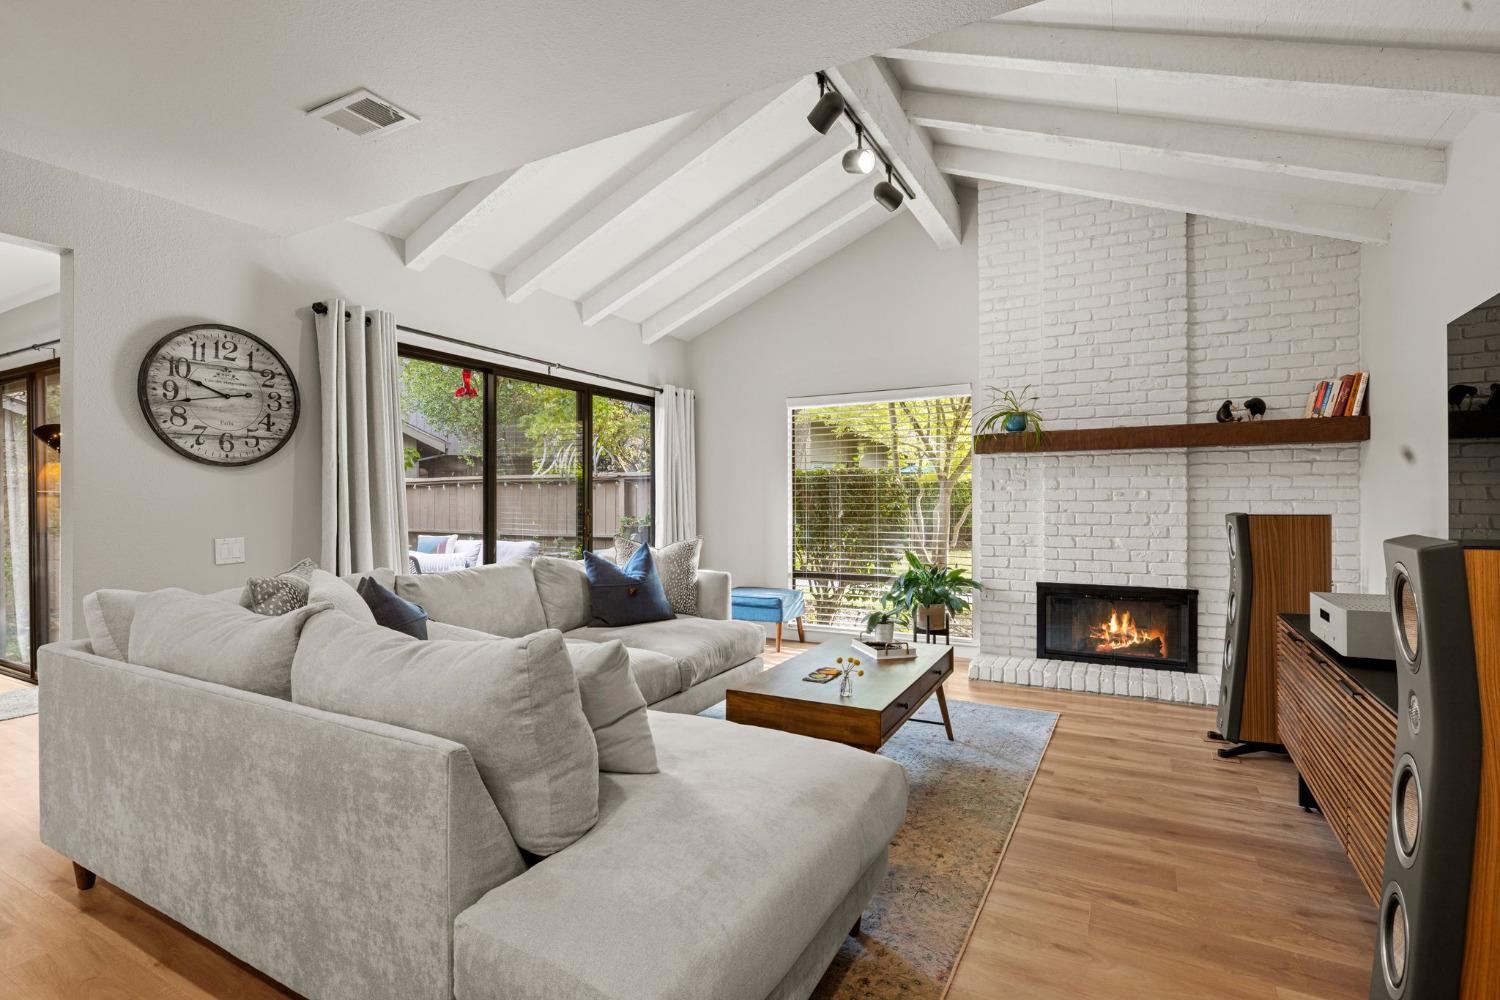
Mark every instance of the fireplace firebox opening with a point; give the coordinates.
(1103, 623)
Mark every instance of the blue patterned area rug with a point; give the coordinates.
(964, 800)
(14, 704)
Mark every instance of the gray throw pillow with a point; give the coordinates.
(276, 595)
(197, 636)
(564, 589)
(499, 599)
(324, 586)
(107, 615)
(513, 702)
(676, 564)
(615, 708)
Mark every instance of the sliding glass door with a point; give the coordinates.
(519, 462)
(30, 515)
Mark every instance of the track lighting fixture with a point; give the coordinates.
(887, 194)
(828, 109)
(860, 159)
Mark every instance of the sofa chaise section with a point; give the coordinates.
(735, 873)
(331, 853)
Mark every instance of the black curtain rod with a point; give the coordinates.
(34, 347)
(322, 309)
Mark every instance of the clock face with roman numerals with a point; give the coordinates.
(218, 394)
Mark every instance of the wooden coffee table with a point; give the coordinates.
(884, 698)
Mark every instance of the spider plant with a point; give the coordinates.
(1015, 413)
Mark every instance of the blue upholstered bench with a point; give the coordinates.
(769, 604)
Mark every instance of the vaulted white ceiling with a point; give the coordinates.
(1306, 115)
(204, 103)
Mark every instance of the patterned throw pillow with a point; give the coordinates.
(276, 595)
(677, 565)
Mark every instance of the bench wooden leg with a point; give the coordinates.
(801, 635)
(943, 708)
(82, 877)
(778, 637)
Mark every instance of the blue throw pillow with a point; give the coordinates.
(626, 595)
(393, 612)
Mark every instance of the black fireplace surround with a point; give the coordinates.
(1153, 627)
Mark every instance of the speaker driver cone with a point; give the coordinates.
(1393, 938)
(1406, 811)
(1404, 608)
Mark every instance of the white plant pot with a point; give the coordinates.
(883, 633)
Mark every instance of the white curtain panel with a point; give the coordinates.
(676, 467)
(364, 493)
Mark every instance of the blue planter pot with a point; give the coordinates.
(1015, 423)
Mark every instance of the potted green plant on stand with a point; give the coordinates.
(931, 593)
(1016, 413)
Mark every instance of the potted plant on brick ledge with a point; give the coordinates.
(931, 592)
(1016, 413)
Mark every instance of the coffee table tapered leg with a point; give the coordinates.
(943, 707)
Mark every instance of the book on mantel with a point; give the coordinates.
(884, 652)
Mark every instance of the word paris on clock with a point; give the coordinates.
(218, 394)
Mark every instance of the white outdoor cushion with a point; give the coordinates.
(186, 633)
(513, 702)
(499, 599)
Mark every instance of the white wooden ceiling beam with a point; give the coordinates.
(611, 206)
(444, 229)
(874, 97)
(1387, 165)
(836, 214)
(717, 225)
(1470, 79)
(1171, 193)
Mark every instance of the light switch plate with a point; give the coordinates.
(228, 550)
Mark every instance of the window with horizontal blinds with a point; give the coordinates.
(870, 482)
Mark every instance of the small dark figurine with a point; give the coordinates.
(1461, 397)
(1256, 406)
(1493, 403)
(1226, 413)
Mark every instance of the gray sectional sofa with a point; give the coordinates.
(351, 859)
(682, 665)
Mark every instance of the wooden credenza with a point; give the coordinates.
(1337, 718)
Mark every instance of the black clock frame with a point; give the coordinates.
(140, 394)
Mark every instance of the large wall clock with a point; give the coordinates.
(218, 394)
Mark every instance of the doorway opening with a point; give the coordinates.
(30, 456)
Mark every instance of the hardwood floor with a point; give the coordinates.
(1142, 866)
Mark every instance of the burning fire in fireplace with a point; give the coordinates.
(1121, 634)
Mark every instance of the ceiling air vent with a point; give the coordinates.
(364, 114)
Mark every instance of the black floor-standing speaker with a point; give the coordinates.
(1435, 784)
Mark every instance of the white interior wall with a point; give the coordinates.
(889, 311)
(34, 323)
(139, 515)
(1441, 262)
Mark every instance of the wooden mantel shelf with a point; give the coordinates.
(1243, 434)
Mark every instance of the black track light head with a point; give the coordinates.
(826, 112)
(887, 194)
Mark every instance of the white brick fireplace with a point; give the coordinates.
(1120, 315)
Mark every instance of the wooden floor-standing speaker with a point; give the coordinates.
(1275, 561)
(1438, 932)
